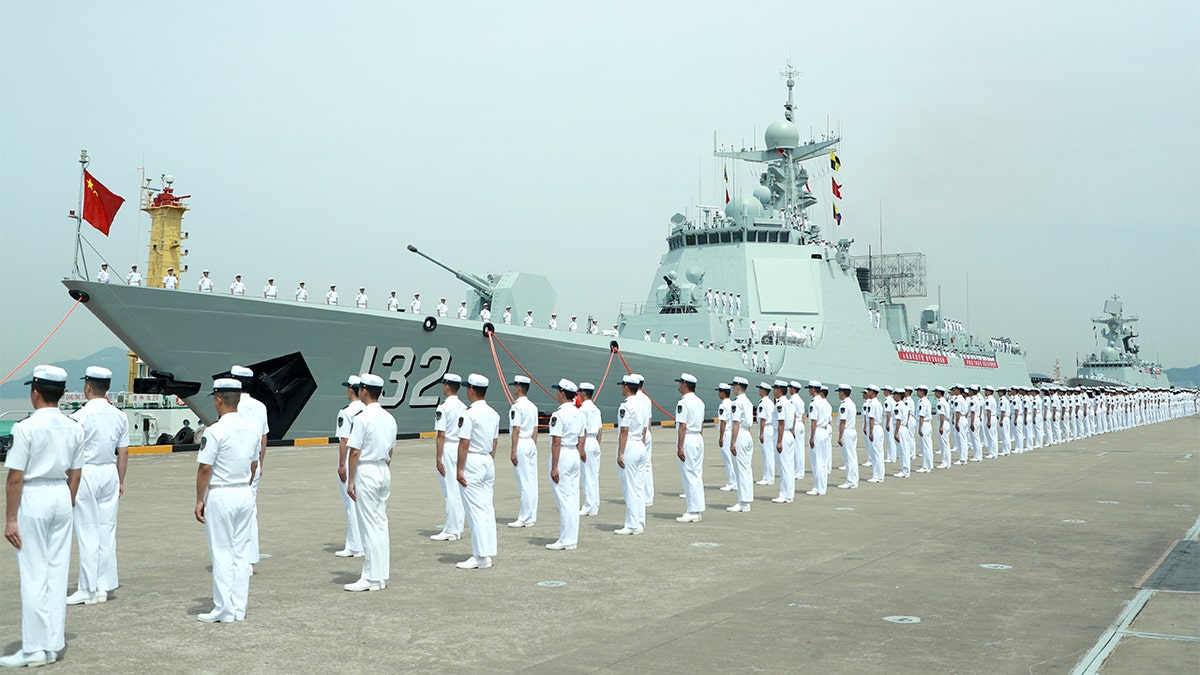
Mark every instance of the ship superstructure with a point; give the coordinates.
(1118, 363)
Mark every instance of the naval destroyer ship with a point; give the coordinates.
(1117, 363)
(809, 308)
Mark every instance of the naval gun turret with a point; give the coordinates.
(519, 290)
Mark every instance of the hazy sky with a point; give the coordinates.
(1049, 151)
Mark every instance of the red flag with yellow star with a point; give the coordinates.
(99, 204)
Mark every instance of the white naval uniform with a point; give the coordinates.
(331, 298)
(237, 288)
(567, 424)
(785, 456)
(103, 276)
(590, 471)
(442, 310)
(256, 414)
(848, 413)
(990, 427)
(374, 435)
(205, 285)
(1017, 407)
(648, 474)
(889, 442)
(631, 416)
(798, 430)
(270, 292)
(393, 304)
(230, 446)
(690, 411)
(723, 415)
(900, 427)
(414, 307)
(768, 420)
(1004, 426)
(133, 279)
(301, 294)
(962, 427)
(170, 282)
(524, 414)
(925, 432)
(506, 318)
(345, 424)
(360, 300)
(873, 412)
(943, 416)
(479, 425)
(462, 311)
(911, 422)
(105, 430)
(743, 443)
(1039, 408)
(46, 445)
(527, 321)
(820, 412)
(445, 419)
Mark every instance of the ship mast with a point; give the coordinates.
(80, 272)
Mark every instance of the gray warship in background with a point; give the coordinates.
(821, 314)
(1118, 363)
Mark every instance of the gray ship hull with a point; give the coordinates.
(197, 335)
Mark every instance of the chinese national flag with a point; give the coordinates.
(837, 189)
(99, 205)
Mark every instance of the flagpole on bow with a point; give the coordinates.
(78, 216)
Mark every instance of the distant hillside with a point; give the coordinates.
(113, 358)
(1184, 377)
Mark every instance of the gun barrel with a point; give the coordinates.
(483, 287)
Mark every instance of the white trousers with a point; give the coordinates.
(727, 460)
(480, 472)
(906, 444)
(977, 441)
(875, 452)
(373, 485)
(44, 519)
(850, 455)
(926, 446)
(648, 474)
(822, 458)
(786, 465)
(353, 538)
(744, 444)
(254, 550)
(590, 475)
(631, 483)
(767, 454)
(96, 527)
(691, 472)
(228, 513)
(890, 444)
(1006, 436)
(566, 495)
(451, 490)
(962, 439)
(945, 445)
(1040, 427)
(800, 453)
(990, 435)
(912, 448)
(526, 472)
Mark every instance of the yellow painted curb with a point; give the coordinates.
(310, 441)
(428, 434)
(150, 449)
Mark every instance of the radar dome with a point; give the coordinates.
(782, 134)
(743, 210)
(1108, 354)
(695, 274)
(763, 194)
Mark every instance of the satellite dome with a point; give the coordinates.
(695, 274)
(763, 194)
(1108, 354)
(743, 210)
(782, 134)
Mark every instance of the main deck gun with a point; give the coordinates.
(518, 290)
(483, 287)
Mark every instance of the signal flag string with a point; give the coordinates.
(43, 344)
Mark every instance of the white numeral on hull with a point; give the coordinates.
(402, 361)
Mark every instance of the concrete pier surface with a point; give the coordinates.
(1015, 565)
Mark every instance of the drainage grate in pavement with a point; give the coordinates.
(1177, 570)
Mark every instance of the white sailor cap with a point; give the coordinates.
(922, 387)
(48, 374)
(663, 333)
(647, 330)
(988, 387)
(362, 288)
(332, 286)
(640, 379)
(587, 386)
(908, 389)
(206, 272)
(553, 314)
(741, 381)
(133, 267)
(463, 302)
(686, 377)
(96, 373)
(814, 384)
(352, 381)
(764, 386)
(477, 380)
(873, 387)
(723, 386)
(887, 387)
(631, 379)
(520, 379)
(452, 378)
(958, 386)
(508, 307)
(371, 380)
(566, 385)
(780, 384)
(104, 264)
(844, 387)
(825, 389)
(226, 384)
(241, 371)
(974, 387)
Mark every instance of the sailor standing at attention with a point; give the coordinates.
(44, 464)
(990, 423)
(345, 423)
(848, 435)
(784, 449)
(134, 278)
(566, 454)
(370, 483)
(820, 415)
(270, 292)
(462, 310)
(648, 411)
(742, 447)
(255, 414)
(942, 417)
(528, 320)
(445, 426)
(689, 447)
(102, 276)
(592, 430)
(798, 409)
(767, 421)
(925, 429)
(105, 457)
(237, 287)
(301, 293)
(900, 433)
(170, 282)
(522, 428)
(889, 407)
(331, 298)
(572, 326)
(961, 432)
(873, 432)
(553, 324)
(507, 316)
(1017, 418)
(205, 284)
(224, 504)
(1005, 422)
(414, 306)
(393, 303)
(631, 457)
(647, 338)
(479, 432)
(485, 314)
(724, 433)
(360, 300)
(975, 401)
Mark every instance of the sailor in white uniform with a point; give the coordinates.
(393, 303)
(44, 465)
(889, 407)
(414, 306)
(301, 293)
(689, 447)
(360, 300)
(485, 314)
(566, 455)
(371, 442)
(462, 310)
(742, 448)
(592, 430)
(873, 432)
(528, 320)
(237, 287)
(134, 278)
(783, 451)
(445, 426)
(991, 423)
(648, 409)
(942, 417)
(925, 428)
(255, 413)
(961, 423)
(331, 297)
(105, 458)
(799, 407)
(631, 457)
(523, 429)
(205, 283)
(553, 324)
(724, 433)
(270, 292)
(102, 276)
(507, 316)
(767, 423)
(662, 338)
(345, 424)
(170, 282)
(820, 415)
(900, 433)
(479, 433)
(227, 459)
(572, 326)
(848, 436)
